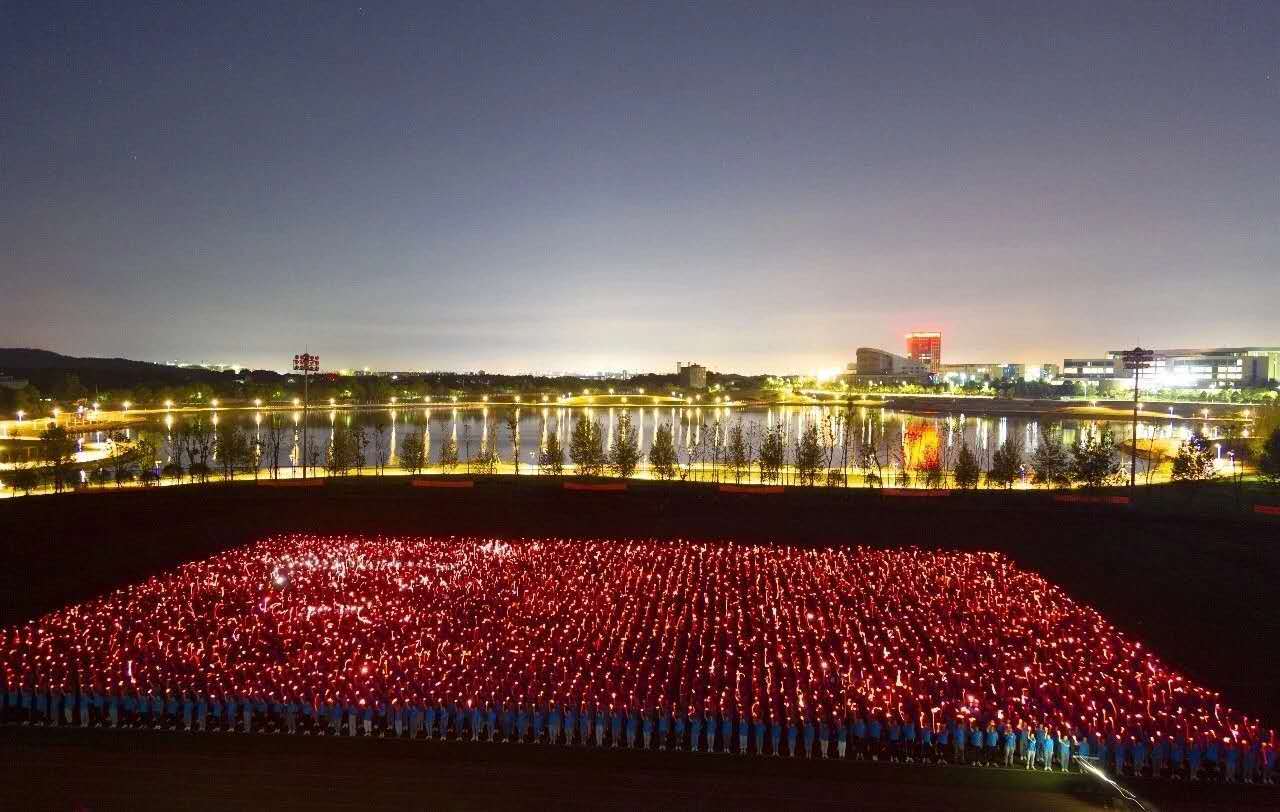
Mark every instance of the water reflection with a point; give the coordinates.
(696, 432)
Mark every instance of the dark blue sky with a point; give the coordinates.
(596, 186)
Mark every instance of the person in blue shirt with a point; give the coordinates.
(1194, 755)
(429, 720)
(664, 729)
(975, 744)
(842, 740)
(808, 737)
(646, 729)
(792, 733)
(679, 725)
(909, 740)
(1044, 745)
(959, 740)
(570, 723)
(1231, 762)
(1159, 753)
(1120, 754)
(824, 738)
(726, 733)
(695, 733)
(1064, 752)
(873, 737)
(895, 738)
(584, 725)
(744, 734)
(553, 725)
(927, 754)
(633, 728)
(944, 739)
(1010, 743)
(1249, 755)
(990, 740)
(1083, 748)
(599, 726)
(1030, 759)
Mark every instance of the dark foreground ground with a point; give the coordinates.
(1199, 590)
(128, 770)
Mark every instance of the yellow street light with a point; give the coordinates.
(20, 414)
(426, 398)
(168, 404)
(126, 405)
(214, 403)
(296, 401)
(393, 398)
(257, 401)
(484, 398)
(332, 401)
(517, 398)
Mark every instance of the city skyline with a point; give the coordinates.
(552, 188)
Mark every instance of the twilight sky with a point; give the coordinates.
(585, 186)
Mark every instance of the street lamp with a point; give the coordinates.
(20, 414)
(168, 404)
(126, 405)
(306, 363)
(214, 403)
(257, 402)
(1136, 359)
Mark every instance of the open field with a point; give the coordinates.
(1196, 589)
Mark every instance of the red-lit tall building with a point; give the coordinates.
(926, 347)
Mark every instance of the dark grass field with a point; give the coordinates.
(1200, 590)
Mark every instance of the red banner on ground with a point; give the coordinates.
(611, 487)
(1267, 510)
(1091, 499)
(313, 482)
(915, 492)
(751, 489)
(442, 483)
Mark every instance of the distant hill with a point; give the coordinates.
(45, 369)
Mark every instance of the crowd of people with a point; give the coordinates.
(829, 652)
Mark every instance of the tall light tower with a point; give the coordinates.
(306, 364)
(1136, 359)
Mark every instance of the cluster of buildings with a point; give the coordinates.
(1186, 369)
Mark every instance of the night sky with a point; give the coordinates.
(519, 186)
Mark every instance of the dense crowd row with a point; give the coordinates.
(767, 649)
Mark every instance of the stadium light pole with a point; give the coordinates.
(1136, 359)
(306, 364)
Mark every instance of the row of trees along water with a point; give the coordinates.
(823, 452)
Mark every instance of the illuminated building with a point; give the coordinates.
(1197, 369)
(880, 367)
(925, 347)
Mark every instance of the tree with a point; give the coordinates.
(551, 457)
(449, 454)
(625, 454)
(1194, 462)
(275, 436)
(1050, 462)
(513, 437)
(120, 457)
(662, 454)
(231, 449)
(967, 471)
(586, 447)
(1094, 458)
(1269, 458)
(24, 479)
(808, 455)
(773, 450)
(57, 453)
(740, 452)
(486, 462)
(413, 452)
(340, 456)
(1006, 463)
(381, 446)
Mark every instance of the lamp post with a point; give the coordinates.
(1136, 359)
(306, 364)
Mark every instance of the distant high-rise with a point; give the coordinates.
(925, 347)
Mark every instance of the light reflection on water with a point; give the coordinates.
(472, 429)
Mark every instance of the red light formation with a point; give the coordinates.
(772, 632)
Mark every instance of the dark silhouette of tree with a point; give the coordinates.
(967, 471)
(551, 457)
(1006, 463)
(624, 456)
(586, 447)
(662, 454)
(413, 452)
(1050, 462)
